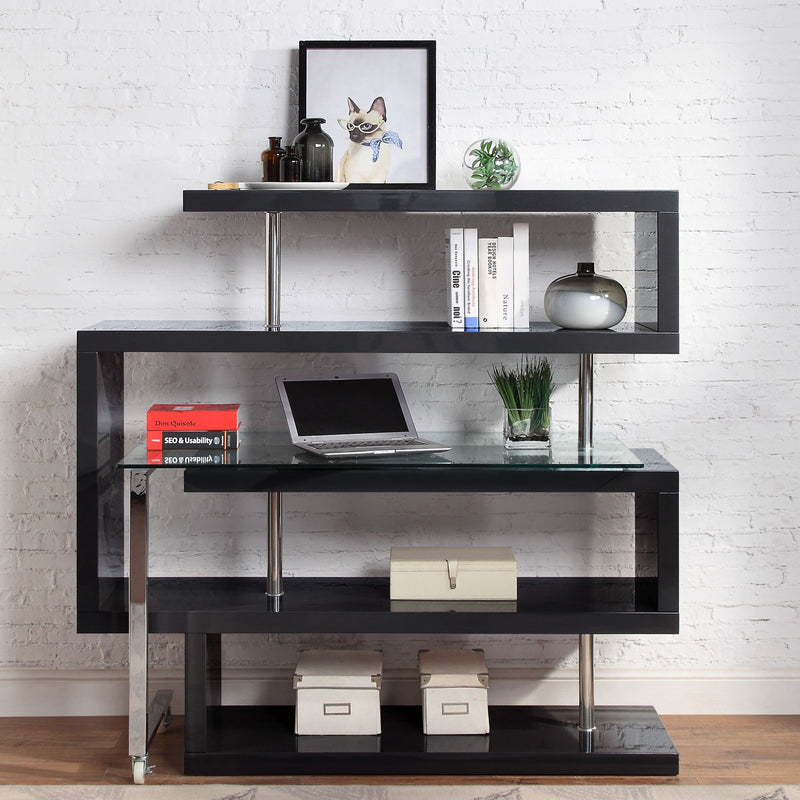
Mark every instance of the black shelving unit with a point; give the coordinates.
(222, 740)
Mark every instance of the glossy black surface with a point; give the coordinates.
(430, 473)
(362, 605)
(247, 336)
(394, 200)
(523, 740)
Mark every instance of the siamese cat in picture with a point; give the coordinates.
(368, 154)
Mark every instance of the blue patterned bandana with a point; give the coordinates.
(390, 137)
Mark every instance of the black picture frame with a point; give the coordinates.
(403, 73)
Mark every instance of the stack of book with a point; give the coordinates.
(489, 280)
(189, 435)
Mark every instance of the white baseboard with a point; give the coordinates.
(34, 693)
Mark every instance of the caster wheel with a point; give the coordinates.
(139, 770)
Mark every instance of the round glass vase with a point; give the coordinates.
(491, 163)
(315, 149)
(271, 160)
(585, 300)
(527, 428)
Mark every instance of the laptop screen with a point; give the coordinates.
(334, 407)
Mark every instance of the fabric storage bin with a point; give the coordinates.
(455, 696)
(338, 692)
(452, 573)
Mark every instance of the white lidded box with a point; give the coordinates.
(452, 573)
(338, 692)
(455, 691)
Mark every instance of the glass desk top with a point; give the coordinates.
(468, 450)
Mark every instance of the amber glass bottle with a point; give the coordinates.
(271, 160)
(290, 166)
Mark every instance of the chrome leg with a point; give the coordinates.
(275, 556)
(586, 722)
(586, 401)
(137, 617)
(143, 719)
(273, 271)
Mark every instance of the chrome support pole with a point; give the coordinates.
(586, 401)
(273, 271)
(137, 617)
(274, 555)
(143, 718)
(586, 722)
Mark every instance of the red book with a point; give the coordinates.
(192, 440)
(191, 458)
(197, 417)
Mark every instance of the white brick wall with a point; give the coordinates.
(110, 110)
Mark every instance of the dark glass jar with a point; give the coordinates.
(290, 166)
(315, 149)
(271, 160)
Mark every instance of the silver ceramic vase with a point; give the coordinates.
(585, 300)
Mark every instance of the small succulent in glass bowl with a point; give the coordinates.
(491, 163)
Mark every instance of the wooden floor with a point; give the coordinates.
(713, 750)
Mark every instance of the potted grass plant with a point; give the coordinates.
(526, 391)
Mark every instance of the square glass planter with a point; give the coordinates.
(526, 428)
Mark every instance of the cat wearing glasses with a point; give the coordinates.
(368, 153)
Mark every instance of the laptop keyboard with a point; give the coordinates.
(366, 444)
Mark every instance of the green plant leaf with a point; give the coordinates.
(528, 385)
(493, 164)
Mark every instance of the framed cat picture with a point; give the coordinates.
(378, 103)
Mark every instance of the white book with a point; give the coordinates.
(522, 276)
(488, 299)
(505, 282)
(456, 278)
(471, 321)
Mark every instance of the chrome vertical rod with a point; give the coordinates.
(273, 270)
(137, 616)
(274, 555)
(586, 401)
(586, 682)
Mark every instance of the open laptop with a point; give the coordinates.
(340, 416)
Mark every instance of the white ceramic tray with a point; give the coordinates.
(279, 186)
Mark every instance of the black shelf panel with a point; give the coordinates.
(362, 605)
(435, 201)
(441, 473)
(523, 740)
(169, 336)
